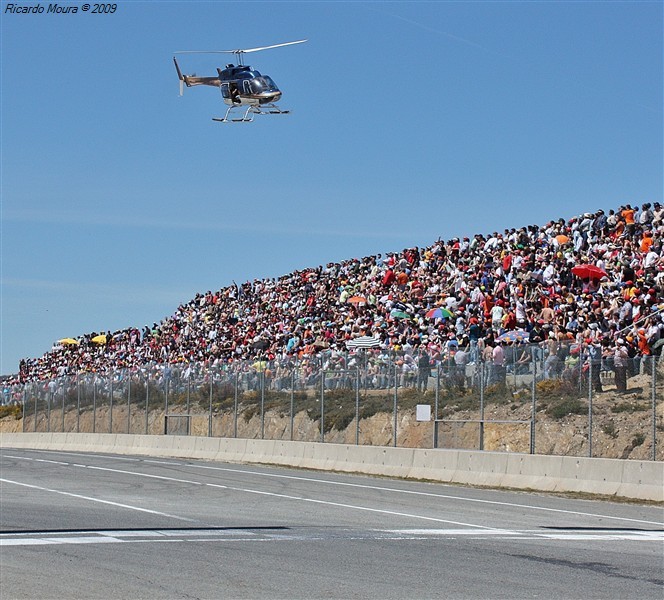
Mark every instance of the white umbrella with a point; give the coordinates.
(365, 341)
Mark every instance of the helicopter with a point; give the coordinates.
(240, 86)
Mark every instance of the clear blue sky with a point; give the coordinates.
(410, 121)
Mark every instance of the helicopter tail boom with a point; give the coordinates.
(191, 80)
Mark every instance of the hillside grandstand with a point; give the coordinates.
(594, 282)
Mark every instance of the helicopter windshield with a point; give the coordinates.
(263, 84)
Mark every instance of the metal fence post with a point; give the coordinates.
(654, 406)
(128, 401)
(63, 408)
(514, 366)
(166, 388)
(590, 406)
(110, 418)
(188, 399)
(322, 405)
(78, 402)
(481, 407)
(357, 406)
(48, 410)
(94, 404)
(147, 401)
(23, 407)
(237, 383)
(34, 425)
(262, 379)
(435, 407)
(533, 415)
(211, 379)
(396, 387)
(292, 403)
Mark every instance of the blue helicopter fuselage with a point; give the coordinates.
(243, 85)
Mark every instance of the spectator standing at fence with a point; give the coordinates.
(461, 359)
(653, 334)
(423, 371)
(474, 335)
(498, 357)
(620, 363)
(595, 364)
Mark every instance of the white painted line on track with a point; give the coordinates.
(355, 485)
(79, 454)
(234, 535)
(298, 498)
(53, 462)
(56, 540)
(435, 532)
(286, 497)
(351, 506)
(91, 499)
(431, 494)
(94, 468)
(124, 472)
(656, 536)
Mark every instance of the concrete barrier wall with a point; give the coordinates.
(642, 480)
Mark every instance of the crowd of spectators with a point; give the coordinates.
(520, 280)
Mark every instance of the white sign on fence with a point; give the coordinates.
(423, 412)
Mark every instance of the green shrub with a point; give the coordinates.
(555, 389)
(568, 406)
(629, 407)
(609, 428)
(11, 411)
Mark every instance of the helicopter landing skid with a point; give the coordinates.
(248, 116)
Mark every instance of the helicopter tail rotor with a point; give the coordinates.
(180, 76)
(193, 79)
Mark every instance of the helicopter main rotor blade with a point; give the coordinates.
(239, 51)
(274, 46)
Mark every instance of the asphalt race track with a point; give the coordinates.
(79, 525)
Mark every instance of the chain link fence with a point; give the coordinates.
(561, 399)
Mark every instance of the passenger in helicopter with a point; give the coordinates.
(235, 93)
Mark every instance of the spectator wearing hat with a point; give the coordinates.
(572, 365)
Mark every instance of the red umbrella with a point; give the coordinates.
(357, 300)
(589, 272)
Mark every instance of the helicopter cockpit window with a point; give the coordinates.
(262, 84)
